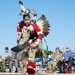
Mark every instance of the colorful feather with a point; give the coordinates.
(44, 25)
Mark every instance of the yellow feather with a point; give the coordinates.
(39, 26)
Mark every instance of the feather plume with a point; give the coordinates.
(31, 11)
(22, 6)
(21, 13)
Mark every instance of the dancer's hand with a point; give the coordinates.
(30, 41)
(33, 45)
(18, 37)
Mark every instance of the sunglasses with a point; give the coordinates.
(67, 48)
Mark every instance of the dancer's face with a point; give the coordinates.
(27, 22)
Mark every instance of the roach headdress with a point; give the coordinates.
(27, 11)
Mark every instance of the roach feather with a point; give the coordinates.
(20, 2)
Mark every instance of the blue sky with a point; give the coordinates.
(60, 13)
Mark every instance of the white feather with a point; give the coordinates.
(31, 11)
(22, 7)
(21, 13)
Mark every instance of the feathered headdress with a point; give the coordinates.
(25, 11)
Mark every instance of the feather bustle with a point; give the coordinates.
(44, 25)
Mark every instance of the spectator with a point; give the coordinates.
(50, 55)
(1, 66)
(66, 57)
(15, 57)
(68, 53)
(56, 57)
(5, 58)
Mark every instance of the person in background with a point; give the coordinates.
(1, 66)
(5, 58)
(67, 56)
(55, 58)
(50, 55)
(68, 53)
(15, 58)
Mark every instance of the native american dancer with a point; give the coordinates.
(31, 32)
